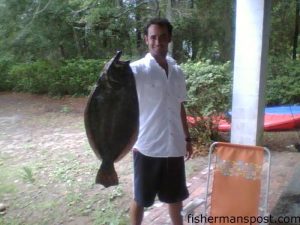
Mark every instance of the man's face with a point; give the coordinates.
(157, 40)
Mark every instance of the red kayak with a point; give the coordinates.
(279, 118)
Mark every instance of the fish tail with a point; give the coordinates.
(107, 177)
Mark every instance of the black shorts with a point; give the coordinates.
(162, 176)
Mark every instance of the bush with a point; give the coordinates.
(208, 85)
(209, 94)
(283, 82)
(6, 83)
(32, 77)
(76, 77)
(209, 91)
(71, 77)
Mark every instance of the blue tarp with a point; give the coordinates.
(285, 109)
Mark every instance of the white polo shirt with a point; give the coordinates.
(160, 96)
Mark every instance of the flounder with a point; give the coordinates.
(111, 117)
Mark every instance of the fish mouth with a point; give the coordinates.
(117, 57)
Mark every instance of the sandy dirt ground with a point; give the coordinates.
(48, 169)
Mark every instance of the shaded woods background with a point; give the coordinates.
(53, 29)
(59, 47)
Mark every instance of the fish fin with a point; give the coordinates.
(107, 177)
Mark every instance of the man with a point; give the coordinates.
(164, 138)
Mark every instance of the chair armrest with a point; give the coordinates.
(191, 206)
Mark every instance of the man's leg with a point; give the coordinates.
(136, 213)
(174, 212)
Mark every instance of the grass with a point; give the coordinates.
(6, 188)
(74, 198)
(46, 205)
(116, 192)
(9, 221)
(27, 175)
(110, 214)
(7, 176)
(63, 177)
(65, 109)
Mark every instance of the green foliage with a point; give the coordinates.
(27, 175)
(75, 77)
(282, 27)
(110, 214)
(209, 93)
(5, 81)
(208, 86)
(43, 29)
(32, 77)
(7, 175)
(283, 82)
(70, 77)
(9, 221)
(200, 23)
(33, 30)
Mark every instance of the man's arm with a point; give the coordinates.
(189, 149)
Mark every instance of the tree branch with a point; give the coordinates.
(43, 9)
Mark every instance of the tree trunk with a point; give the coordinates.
(296, 31)
(177, 47)
(120, 3)
(138, 32)
(62, 51)
(225, 42)
(169, 16)
(195, 47)
(191, 4)
(77, 44)
(195, 38)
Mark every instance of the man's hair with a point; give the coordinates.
(162, 22)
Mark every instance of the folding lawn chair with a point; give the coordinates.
(237, 187)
